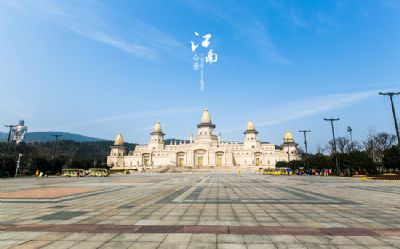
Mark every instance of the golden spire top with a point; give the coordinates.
(288, 137)
(119, 140)
(205, 117)
(250, 126)
(157, 127)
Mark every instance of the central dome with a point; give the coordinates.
(250, 126)
(119, 140)
(157, 127)
(288, 137)
(205, 117)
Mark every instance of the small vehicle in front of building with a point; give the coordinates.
(98, 172)
(73, 172)
(278, 171)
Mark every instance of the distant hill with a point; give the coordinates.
(47, 136)
(3, 136)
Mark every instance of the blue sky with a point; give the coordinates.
(102, 67)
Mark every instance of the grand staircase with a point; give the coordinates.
(215, 169)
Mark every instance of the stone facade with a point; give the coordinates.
(205, 150)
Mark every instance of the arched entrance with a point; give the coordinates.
(146, 159)
(257, 158)
(199, 157)
(219, 158)
(180, 159)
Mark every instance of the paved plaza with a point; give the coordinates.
(199, 210)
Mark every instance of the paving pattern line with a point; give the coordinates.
(183, 196)
(256, 230)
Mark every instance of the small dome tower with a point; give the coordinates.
(205, 133)
(289, 147)
(250, 138)
(157, 137)
(116, 158)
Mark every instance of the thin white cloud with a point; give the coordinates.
(88, 18)
(308, 107)
(151, 127)
(322, 19)
(254, 32)
(297, 19)
(136, 115)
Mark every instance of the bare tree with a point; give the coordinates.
(354, 146)
(376, 143)
(383, 141)
(369, 144)
(320, 150)
(342, 145)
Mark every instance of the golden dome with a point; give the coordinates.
(157, 127)
(205, 117)
(288, 137)
(119, 140)
(250, 126)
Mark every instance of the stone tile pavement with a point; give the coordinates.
(200, 210)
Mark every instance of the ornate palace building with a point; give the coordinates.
(204, 150)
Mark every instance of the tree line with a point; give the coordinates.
(376, 154)
(69, 154)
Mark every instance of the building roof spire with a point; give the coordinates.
(288, 137)
(250, 126)
(119, 140)
(206, 117)
(157, 127)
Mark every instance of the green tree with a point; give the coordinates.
(9, 167)
(390, 159)
(295, 164)
(357, 161)
(281, 164)
(40, 163)
(319, 161)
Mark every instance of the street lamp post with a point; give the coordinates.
(55, 148)
(334, 141)
(18, 162)
(11, 127)
(305, 138)
(305, 144)
(349, 130)
(391, 94)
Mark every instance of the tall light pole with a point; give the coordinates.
(11, 127)
(55, 148)
(334, 141)
(18, 162)
(305, 138)
(349, 130)
(391, 94)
